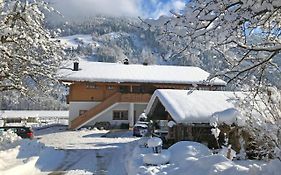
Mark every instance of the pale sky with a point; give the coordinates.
(132, 8)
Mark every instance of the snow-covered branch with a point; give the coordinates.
(243, 41)
(245, 32)
(29, 57)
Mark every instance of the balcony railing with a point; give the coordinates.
(135, 97)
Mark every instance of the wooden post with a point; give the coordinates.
(228, 154)
(131, 114)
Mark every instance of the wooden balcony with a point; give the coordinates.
(135, 97)
(115, 98)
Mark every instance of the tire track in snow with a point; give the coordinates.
(120, 159)
(85, 151)
(102, 162)
(73, 158)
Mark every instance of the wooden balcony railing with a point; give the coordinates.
(135, 97)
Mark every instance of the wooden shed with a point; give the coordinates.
(192, 114)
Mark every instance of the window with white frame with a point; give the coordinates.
(120, 115)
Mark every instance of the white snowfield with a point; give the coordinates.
(117, 72)
(188, 106)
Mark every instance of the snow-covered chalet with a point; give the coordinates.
(118, 93)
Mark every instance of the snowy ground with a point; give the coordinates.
(191, 158)
(59, 151)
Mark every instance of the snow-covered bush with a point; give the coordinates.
(183, 149)
(263, 122)
(227, 152)
(155, 143)
(8, 139)
(157, 158)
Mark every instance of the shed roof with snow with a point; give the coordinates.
(136, 73)
(187, 106)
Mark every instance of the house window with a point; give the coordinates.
(81, 112)
(120, 115)
(137, 89)
(91, 86)
(124, 89)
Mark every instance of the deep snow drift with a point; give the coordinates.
(191, 158)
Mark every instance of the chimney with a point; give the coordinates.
(75, 66)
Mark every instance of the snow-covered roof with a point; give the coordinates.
(187, 106)
(137, 73)
(33, 113)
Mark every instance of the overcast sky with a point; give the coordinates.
(132, 8)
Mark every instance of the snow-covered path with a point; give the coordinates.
(76, 160)
(94, 152)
